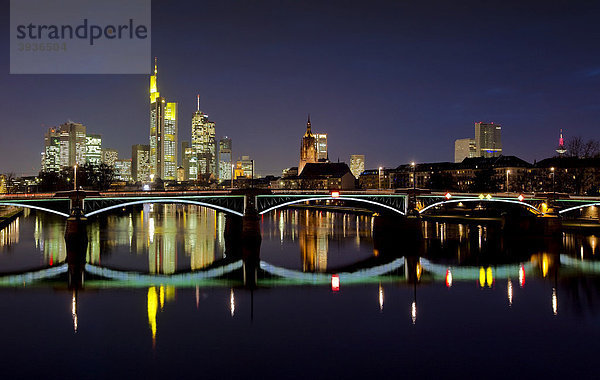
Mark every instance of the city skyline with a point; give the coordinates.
(396, 87)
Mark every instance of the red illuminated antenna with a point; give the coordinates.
(561, 145)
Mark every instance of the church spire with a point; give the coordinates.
(308, 130)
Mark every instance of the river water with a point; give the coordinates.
(328, 302)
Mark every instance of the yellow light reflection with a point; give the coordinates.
(161, 296)
(545, 261)
(481, 277)
(509, 291)
(413, 312)
(74, 311)
(152, 309)
(419, 271)
(489, 278)
(380, 297)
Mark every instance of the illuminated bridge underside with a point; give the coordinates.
(182, 279)
(363, 275)
(431, 202)
(392, 202)
(59, 206)
(232, 204)
(28, 278)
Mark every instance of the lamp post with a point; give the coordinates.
(552, 173)
(75, 178)
(379, 178)
(232, 175)
(507, 173)
(414, 168)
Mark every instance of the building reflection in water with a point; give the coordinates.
(49, 237)
(167, 233)
(157, 297)
(315, 230)
(9, 235)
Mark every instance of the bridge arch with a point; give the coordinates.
(340, 198)
(34, 207)
(167, 200)
(531, 208)
(597, 204)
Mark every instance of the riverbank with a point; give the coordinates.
(8, 214)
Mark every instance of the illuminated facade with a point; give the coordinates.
(72, 144)
(487, 139)
(163, 133)
(321, 141)
(93, 149)
(464, 148)
(140, 163)
(225, 158)
(3, 188)
(109, 156)
(308, 148)
(51, 153)
(203, 143)
(357, 164)
(123, 170)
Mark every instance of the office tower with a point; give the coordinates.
(163, 133)
(109, 156)
(357, 164)
(3, 186)
(93, 149)
(487, 139)
(184, 146)
(464, 148)
(321, 141)
(225, 158)
(308, 148)
(190, 164)
(72, 144)
(140, 163)
(123, 170)
(248, 167)
(203, 142)
(51, 153)
(180, 174)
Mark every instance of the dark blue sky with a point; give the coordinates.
(394, 80)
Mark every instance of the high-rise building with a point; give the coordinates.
(321, 141)
(3, 186)
(72, 144)
(163, 133)
(308, 148)
(140, 163)
(190, 164)
(93, 149)
(357, 164)
(51, 153)
(123, 170)
(109, 156)
(225, 158)
(464, 148)
(487, 139)
(203, 142)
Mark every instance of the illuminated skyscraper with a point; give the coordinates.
(163, 133)
(72, 144)
(464, 148)
(93, 149)
(321, 141)
(487, 139)
(308, 148)
(357, 164)
(140, 163)
(109, 156)
(225, 158)
(203, 142)
(51, 153)
(123, 170)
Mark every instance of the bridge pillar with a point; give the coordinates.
(392, 233)
(76, 240)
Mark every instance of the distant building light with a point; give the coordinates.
(335, 283)
(335, 194)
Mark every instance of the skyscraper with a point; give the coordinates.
(487, 139)
(51, 153)
(308, 148)
(203, 142)
(464, 148)
(123, 170)
(109, 156)
(163, 133)
(72, 144)
(140, 163)
(93, 149)
(225, 149)
(357, 164)
(321, 141)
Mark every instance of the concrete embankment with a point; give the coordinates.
(8, 214)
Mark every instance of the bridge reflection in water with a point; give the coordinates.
(165, 247)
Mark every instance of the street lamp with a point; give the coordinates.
(75, 177)
(232, 174)
(414, 168)
(379, 178)
(552, 173)
(507, 173)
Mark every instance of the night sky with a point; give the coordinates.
(397, 81)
